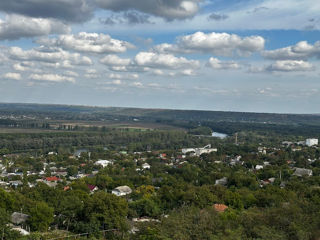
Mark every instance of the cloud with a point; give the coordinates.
(166, 61)
(167, 9)
(152, 62)
(188, 72)
(12, 76)
(71, 74)
(217, 17)
(123, 76)
(222, 44)
(217, 64)
(23, 66)
(301, 51)
(51, 78)
(88, 42)
(16, 26)
(48, 55)
(66, 10)
(129, 17)
(114, 60)
(258, 9)
(290, 66)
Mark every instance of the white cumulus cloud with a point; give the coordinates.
(114, 60)
(51, 78)
(217, 64)
(48, 55)
(88, 42)
(302, 50)
(12, 76)
(155, 60)
(16, 26)
(222, 44)
(290, 66)
(167, 9)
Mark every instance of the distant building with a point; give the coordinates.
(146, 166)
(311, 142)
(19, 218)
(52, 179)
(121, 191)
(222, 181)
(187, 150)
(22, 231)
(19, 221)
(287, 143)
(220, 207)
(103, 163)
(258, 167)
(92, 188)
(16, 183)
(77, 153)
(199, 151)
(302, 172)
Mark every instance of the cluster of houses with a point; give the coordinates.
(15, 177)
(309, 142)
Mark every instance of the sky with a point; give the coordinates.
(223, 55)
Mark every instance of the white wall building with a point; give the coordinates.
(103, 163)
(186, 150)
(311, 142)
(121, 191)
(198, 151)
(146, 166)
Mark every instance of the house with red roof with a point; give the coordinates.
(52, 179)
(220, 207)
(92, 188)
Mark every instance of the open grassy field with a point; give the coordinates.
(29, 130)
(115, 124)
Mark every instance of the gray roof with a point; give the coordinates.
(302, 172)
(18, 218)
(124, 189)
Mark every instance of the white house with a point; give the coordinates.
(258, 167)
(103, 163)
(198, 151)
(222, 181)
(146, 166)
(186, 150)
(121, 191)
(311, 142)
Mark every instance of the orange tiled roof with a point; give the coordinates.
(220, 207)
(52, 179)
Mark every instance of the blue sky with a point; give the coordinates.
(257, 56)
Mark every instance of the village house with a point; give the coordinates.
(102, 163)
(146, 166)
(220, 207)
(302, 172)
(18, 221)
(222, 181)
(92, 188)
(121, 191)
(311, 142)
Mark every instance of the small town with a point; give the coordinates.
(141, 181)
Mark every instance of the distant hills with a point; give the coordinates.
(98, 113)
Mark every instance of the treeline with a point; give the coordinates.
(133, 141)
(67, 112)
